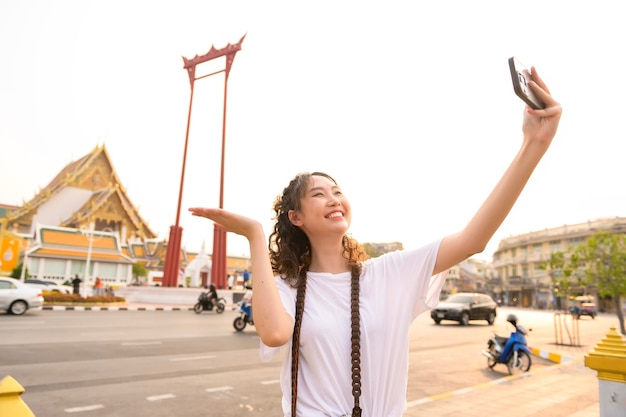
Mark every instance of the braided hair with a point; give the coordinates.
(290, 256)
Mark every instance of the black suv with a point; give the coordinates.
(465, 306)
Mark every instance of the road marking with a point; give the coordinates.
(160, 397)
(270, 382)
(218, 389)
(139, 343)
(85, 408)
(192, 358)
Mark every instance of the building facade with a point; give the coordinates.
(520, 280)
(83, 223)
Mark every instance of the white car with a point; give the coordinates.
(17, 297)
(48, 286)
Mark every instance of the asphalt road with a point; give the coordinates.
(180, 364)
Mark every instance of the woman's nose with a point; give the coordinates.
(334, 201)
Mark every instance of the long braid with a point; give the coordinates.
(356, 339)
(295, 342)
(355, 326)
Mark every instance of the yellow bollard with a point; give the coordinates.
(11, 405)
(608, 359)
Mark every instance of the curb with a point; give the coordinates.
(116, 308)
(551, 356)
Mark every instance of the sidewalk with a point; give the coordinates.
(565, 389)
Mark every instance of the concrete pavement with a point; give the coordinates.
(565, 389)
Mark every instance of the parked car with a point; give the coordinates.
(465, 306)
(48, 286)
(17, 297)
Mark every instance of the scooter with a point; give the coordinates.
(244, 308)
(204, 303)
(512, 351)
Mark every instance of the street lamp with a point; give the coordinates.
(89, 232)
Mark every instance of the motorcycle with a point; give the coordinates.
(204, 303)
(512, 351)
(244, 308)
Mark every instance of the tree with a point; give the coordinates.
(17, 271)
(371, 252)
(139, 271)
(602, 262)
(561, 273)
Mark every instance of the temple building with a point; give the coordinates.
(83, 223)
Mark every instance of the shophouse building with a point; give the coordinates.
(519, 278)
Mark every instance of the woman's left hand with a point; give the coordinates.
(540, 125)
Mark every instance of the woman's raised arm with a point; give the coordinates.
(273, 324)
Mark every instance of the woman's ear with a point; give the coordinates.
(294, 218)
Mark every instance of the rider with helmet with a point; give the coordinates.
(212, 295)
(511, 318)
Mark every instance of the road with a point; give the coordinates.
(177, 363)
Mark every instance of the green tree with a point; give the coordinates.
(602, 262)
(139, 271)
(371, 252)
(561, 274)
(17, 271)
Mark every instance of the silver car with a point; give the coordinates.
(48, 286)
(17, 297)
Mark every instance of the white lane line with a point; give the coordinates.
(160, 397)
(270, 382)
(139, 343)
(191, 358)
(218, 389)
(85, 408)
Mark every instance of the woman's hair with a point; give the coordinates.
(289, 246)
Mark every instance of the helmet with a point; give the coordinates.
(511, 318)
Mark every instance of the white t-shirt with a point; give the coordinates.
(394, 289)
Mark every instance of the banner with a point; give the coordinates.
(9, 253)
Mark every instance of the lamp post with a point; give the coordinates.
(218, 258)
(89, 233)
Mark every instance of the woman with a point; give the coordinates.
(318, 296)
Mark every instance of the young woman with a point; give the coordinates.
(318, 296)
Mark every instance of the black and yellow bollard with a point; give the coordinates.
(11, 405)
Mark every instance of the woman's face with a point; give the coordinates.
(324, 209)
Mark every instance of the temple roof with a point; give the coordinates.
(66, 243)
(85, 191)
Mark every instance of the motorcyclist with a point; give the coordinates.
(212, 295)
(511, 318)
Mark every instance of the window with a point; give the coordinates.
(54, 267)
(576, 241)
(6, 285)
(555, 246)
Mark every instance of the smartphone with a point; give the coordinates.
(520, 76)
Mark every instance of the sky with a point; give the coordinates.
(409, 105)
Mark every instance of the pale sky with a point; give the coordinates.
(409, 105)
